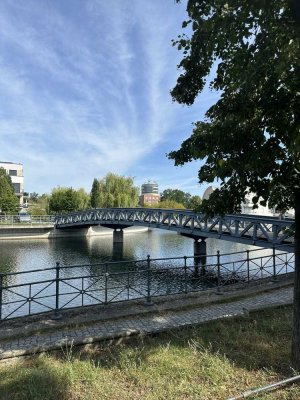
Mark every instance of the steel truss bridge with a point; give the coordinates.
(257, 230)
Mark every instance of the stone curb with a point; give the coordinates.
(234, 309)
(28, 326)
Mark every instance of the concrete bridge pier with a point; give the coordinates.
(118, 236)
(118, 244)
(199, 251)
(200, 255)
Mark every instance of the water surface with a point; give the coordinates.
(22, 255)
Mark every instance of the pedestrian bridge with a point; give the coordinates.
(263, 231)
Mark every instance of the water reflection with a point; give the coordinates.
(24, 255)
(88, 283)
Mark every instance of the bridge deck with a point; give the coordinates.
(249, 229)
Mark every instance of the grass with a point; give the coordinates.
(213, 361)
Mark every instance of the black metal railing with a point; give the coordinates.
(62, 287)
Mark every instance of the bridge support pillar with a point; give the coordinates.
(118, 236)
(200, 255)
(118, 244)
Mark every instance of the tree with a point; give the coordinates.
(9, 202)
(180, 197)
(114, 191)
(169, 204)
(39, 205)
(194, 203)
(34, 196)
(250, 137)
(67, 200)
(95, 194)
(83, 199)
(176, 195)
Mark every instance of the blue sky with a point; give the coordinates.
(85, 89)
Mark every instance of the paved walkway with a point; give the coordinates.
(151, 322)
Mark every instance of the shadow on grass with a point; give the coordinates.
(261, 340)
(123, 353)
(34, 380)
(182, 363)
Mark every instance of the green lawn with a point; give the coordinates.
(212, 361)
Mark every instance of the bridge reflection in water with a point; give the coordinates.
(69, 286)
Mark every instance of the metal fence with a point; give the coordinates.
(62, 287)
(32, 220)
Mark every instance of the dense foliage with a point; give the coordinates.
(176, 195)
(114, 191)
(39, 204)
(169, 205)
(95, 194)
(184, 198)
(9, 202)
(250, 138)
(194, 203)
(68, 199)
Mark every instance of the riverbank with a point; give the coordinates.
(48, 231)
(91, 324)
(213, 361)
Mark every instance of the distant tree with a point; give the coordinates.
(250, 138)
(40, 206)
(9, 202)
(84, 199)
(33, 196)
(168, 204)
(176, 195)
(194, 203)
(64, 199)
(95, 194)
(114, 191)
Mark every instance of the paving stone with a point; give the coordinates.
(143, 323)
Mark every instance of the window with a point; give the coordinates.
(12, 172)
(17, 187)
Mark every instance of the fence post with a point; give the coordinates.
(274, 264)
(106, 281)
(248, 267)
(1, 295)
(57, 314)
(219, 273)
(148, 299)
(185, 275)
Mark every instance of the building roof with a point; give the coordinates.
(208, 192)
(10, 162)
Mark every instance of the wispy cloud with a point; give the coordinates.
(85, 89)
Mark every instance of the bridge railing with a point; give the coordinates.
(250, 229)
(63, 287)
(31, 220)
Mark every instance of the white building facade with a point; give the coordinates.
(247, 206)
(15, 171)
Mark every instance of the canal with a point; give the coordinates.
(23, 255)
(91, 279)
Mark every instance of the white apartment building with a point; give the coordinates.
(247, 206)
(15, 171)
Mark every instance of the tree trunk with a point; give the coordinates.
(296, 320)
